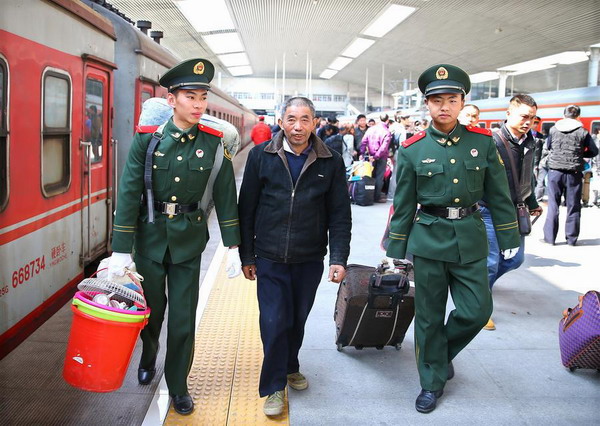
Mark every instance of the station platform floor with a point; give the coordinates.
(512, 375)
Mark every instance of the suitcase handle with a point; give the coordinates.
(394, 286)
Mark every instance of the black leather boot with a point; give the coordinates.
(183, 404)
(426, 401)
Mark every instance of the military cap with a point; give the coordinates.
(191, 74)
(444, 78)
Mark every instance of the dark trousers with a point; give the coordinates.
(570, 184)
(540, 187)
(286, 292)
(182, 296)
(378, 175)
(436, 343)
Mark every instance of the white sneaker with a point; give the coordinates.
(274, 404)
(297, 381)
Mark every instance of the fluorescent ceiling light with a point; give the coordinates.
(357, 47)
(234, 59)
(339, 63)
(243, 70)
(564, 58)
(206, 16)
(224, 43)
(388, 19)
(327, 74)
(480, 77)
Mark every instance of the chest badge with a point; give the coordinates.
(474, 152)
(428, 160)
(199, 153)
(159, 154)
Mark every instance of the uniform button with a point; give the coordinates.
(182, 139)
(476, 167)
(201, 168)
(452, 160)
(155, 166)
(199, 218)
(417, 219)
(177, 179)
(173, 198)
(457, 200)
(449, 143)
(428, 173)
(171, 216)
(179, 158)
(455, 180)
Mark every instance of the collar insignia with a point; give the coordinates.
(442, 141)
(191, 137)
(428, 160)
(176, 135)
(455, 139)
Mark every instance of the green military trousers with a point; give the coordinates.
(182, 297)
(436, 343)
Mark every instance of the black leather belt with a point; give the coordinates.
(175, 208)
(450, 212)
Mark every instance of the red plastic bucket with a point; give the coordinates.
(99, 351)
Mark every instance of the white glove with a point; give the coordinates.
(510, 253)
(234, 264)
(117, 264)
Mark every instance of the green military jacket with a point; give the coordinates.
(182, 163)
(450, 170)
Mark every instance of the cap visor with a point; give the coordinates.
(437, 91)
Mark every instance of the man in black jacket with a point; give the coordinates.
(521, 147)
(569, 143)
(293, 200)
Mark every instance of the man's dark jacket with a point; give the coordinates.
(569, 143)
(288, 224)
(523, 155)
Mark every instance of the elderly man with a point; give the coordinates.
(293, 202)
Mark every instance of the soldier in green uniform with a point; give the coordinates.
(445, 170)
(168, 228)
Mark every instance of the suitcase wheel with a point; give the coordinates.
(398, 346)
(571, 369)
(359, 347)
(339, 347)
(379, 348)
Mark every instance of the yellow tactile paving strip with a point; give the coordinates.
(224, 377)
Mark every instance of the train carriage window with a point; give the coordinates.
(145, 96)
(546, 126)
(93, 128)
(3, 136)
(56, 133)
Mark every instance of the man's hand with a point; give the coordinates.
(336, 273)
(537, 211)
(510, 253)
(234, 264)
(249, 272)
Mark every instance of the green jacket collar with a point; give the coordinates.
(446, 138)
(175, 132)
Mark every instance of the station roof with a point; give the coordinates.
(478, 36)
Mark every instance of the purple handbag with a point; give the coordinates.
(579, 333)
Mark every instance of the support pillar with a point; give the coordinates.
(593, 66)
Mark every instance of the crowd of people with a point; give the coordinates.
(459, 196)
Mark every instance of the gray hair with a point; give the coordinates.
(298, 101)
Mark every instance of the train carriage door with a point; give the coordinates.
(97, 159)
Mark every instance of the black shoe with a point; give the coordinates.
(146, 374)
(450, 371)
(183, 404)
(427, 400)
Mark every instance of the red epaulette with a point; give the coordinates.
(480, 130)
(210, 130)
(146, 129)
(414, 138)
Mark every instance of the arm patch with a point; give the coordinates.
(413, 139)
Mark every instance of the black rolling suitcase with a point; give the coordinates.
(374, 308)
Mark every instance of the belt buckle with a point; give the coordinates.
(170, 208)
(453, 212)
